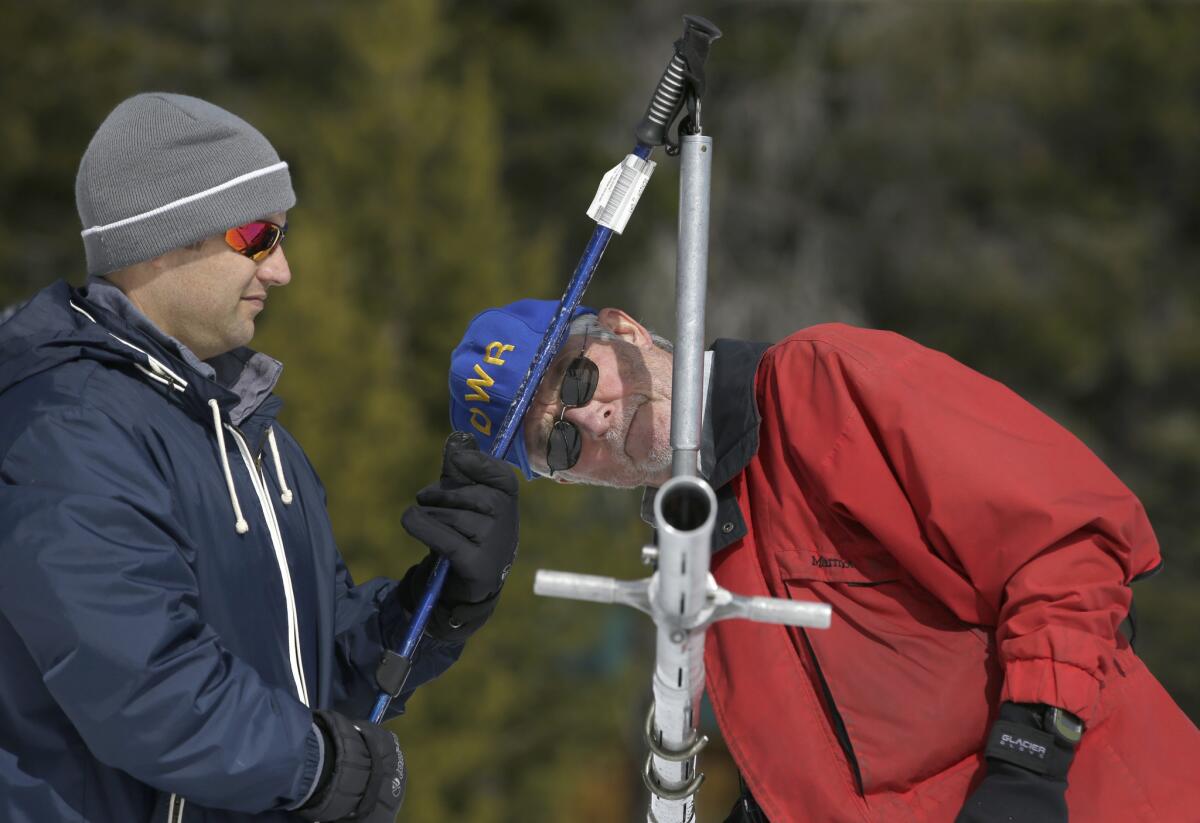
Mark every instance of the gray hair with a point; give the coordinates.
(590, 325)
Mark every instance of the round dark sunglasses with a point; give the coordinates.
(565, 442)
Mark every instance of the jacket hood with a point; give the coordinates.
(61, 325)
(46, 332)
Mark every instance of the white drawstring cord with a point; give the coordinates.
(285, 493)
(241, 526)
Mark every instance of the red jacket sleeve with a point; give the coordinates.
(998, 511)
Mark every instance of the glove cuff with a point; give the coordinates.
(345, 753)
(1016, 738)
(449, 621)
(455, 623)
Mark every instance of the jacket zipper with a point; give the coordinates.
(175, 809)
(839, 726)
(259, 481)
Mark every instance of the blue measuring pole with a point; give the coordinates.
(684, 72)
(396, 665)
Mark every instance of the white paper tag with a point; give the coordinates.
(620, 191)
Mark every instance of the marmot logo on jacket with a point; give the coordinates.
(831, 563)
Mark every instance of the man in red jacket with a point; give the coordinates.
(977, 556)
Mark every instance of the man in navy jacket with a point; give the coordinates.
(180, 638)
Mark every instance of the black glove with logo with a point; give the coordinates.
(470, 517)
(1029, 751)
(362, 777)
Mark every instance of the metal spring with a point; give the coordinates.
(669, 92)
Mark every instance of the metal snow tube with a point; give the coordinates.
(685, 511)
(691, 285)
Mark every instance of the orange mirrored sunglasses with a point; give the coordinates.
(256, 240)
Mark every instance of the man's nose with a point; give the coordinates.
(594, 419)
(274, 271)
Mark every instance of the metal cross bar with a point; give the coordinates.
(683, 599)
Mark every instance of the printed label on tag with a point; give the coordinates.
(620, 191)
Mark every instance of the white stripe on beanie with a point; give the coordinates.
(191, 198)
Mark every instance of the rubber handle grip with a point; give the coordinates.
(685, 70)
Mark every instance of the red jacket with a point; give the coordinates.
(973, 552)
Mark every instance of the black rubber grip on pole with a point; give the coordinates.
(685, 71)
(392, 672)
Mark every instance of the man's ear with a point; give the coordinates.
(625, 327)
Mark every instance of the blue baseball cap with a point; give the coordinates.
(487, 368)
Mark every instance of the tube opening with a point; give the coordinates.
(686, 508)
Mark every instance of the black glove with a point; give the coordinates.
(362, 777)
(470, 517)
(1029, 751)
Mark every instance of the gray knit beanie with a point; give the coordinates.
(167, 170)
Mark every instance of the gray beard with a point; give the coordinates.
(628, 474)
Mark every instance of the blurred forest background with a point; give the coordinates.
(1017, 184)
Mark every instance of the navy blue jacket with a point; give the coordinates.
(161, 631)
